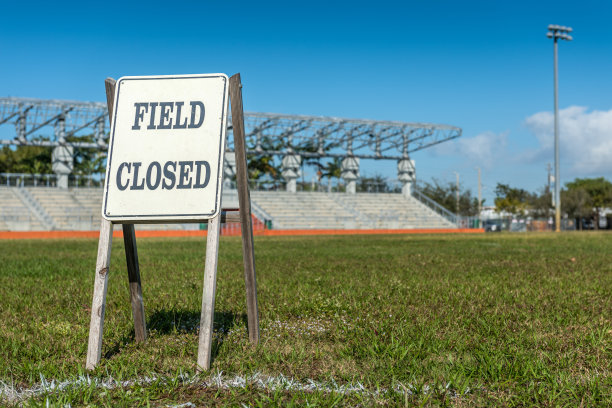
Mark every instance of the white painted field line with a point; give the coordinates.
(12, 394)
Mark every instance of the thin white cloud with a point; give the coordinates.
(585, 138)
(483, 149)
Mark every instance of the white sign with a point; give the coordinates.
(166, 149)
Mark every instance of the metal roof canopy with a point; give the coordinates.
(266, 133)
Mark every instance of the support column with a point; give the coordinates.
(100, 132)
(20, 125)
(350, 173)
(291, 165)
(229, 171)
(62, 155)
(406, 173)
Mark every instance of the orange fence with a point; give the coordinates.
(233, 228)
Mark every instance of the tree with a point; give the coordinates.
(88, 161)
(577, 203)
(376, 184)
(515, 201)
(37, 159)
(331, 169)
(25, 159)
(468, 205)
(446, 196)
(599, 191)
(541, 204)
(261, 166)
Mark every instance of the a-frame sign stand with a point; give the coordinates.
(212, 246)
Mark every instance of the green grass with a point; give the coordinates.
(440, 320)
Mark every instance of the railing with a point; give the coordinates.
(334, 185)
(469, 222)
(435, 206)
(281, 185)
(262, 215)
(46, 219)
(26, 179)
(48, 180)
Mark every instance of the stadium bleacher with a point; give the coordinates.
(44, 208)
(14, 213)
(392, 211)
(302, 210)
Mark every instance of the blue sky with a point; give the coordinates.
(485, 66)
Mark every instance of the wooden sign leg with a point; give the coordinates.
(244, 201)
(131, 257)
(208, 293)
(98, 305)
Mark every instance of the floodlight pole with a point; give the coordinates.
(555, 32)
(479, 199)
(557, 176)
(457, 193)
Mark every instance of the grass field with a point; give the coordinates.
(439, 320)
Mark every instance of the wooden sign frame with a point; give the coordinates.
(94, 349)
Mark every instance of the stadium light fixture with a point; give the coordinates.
(557, 32)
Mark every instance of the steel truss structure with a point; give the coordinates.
(40, 122)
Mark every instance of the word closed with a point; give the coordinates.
(175, 174)
(168, 115)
